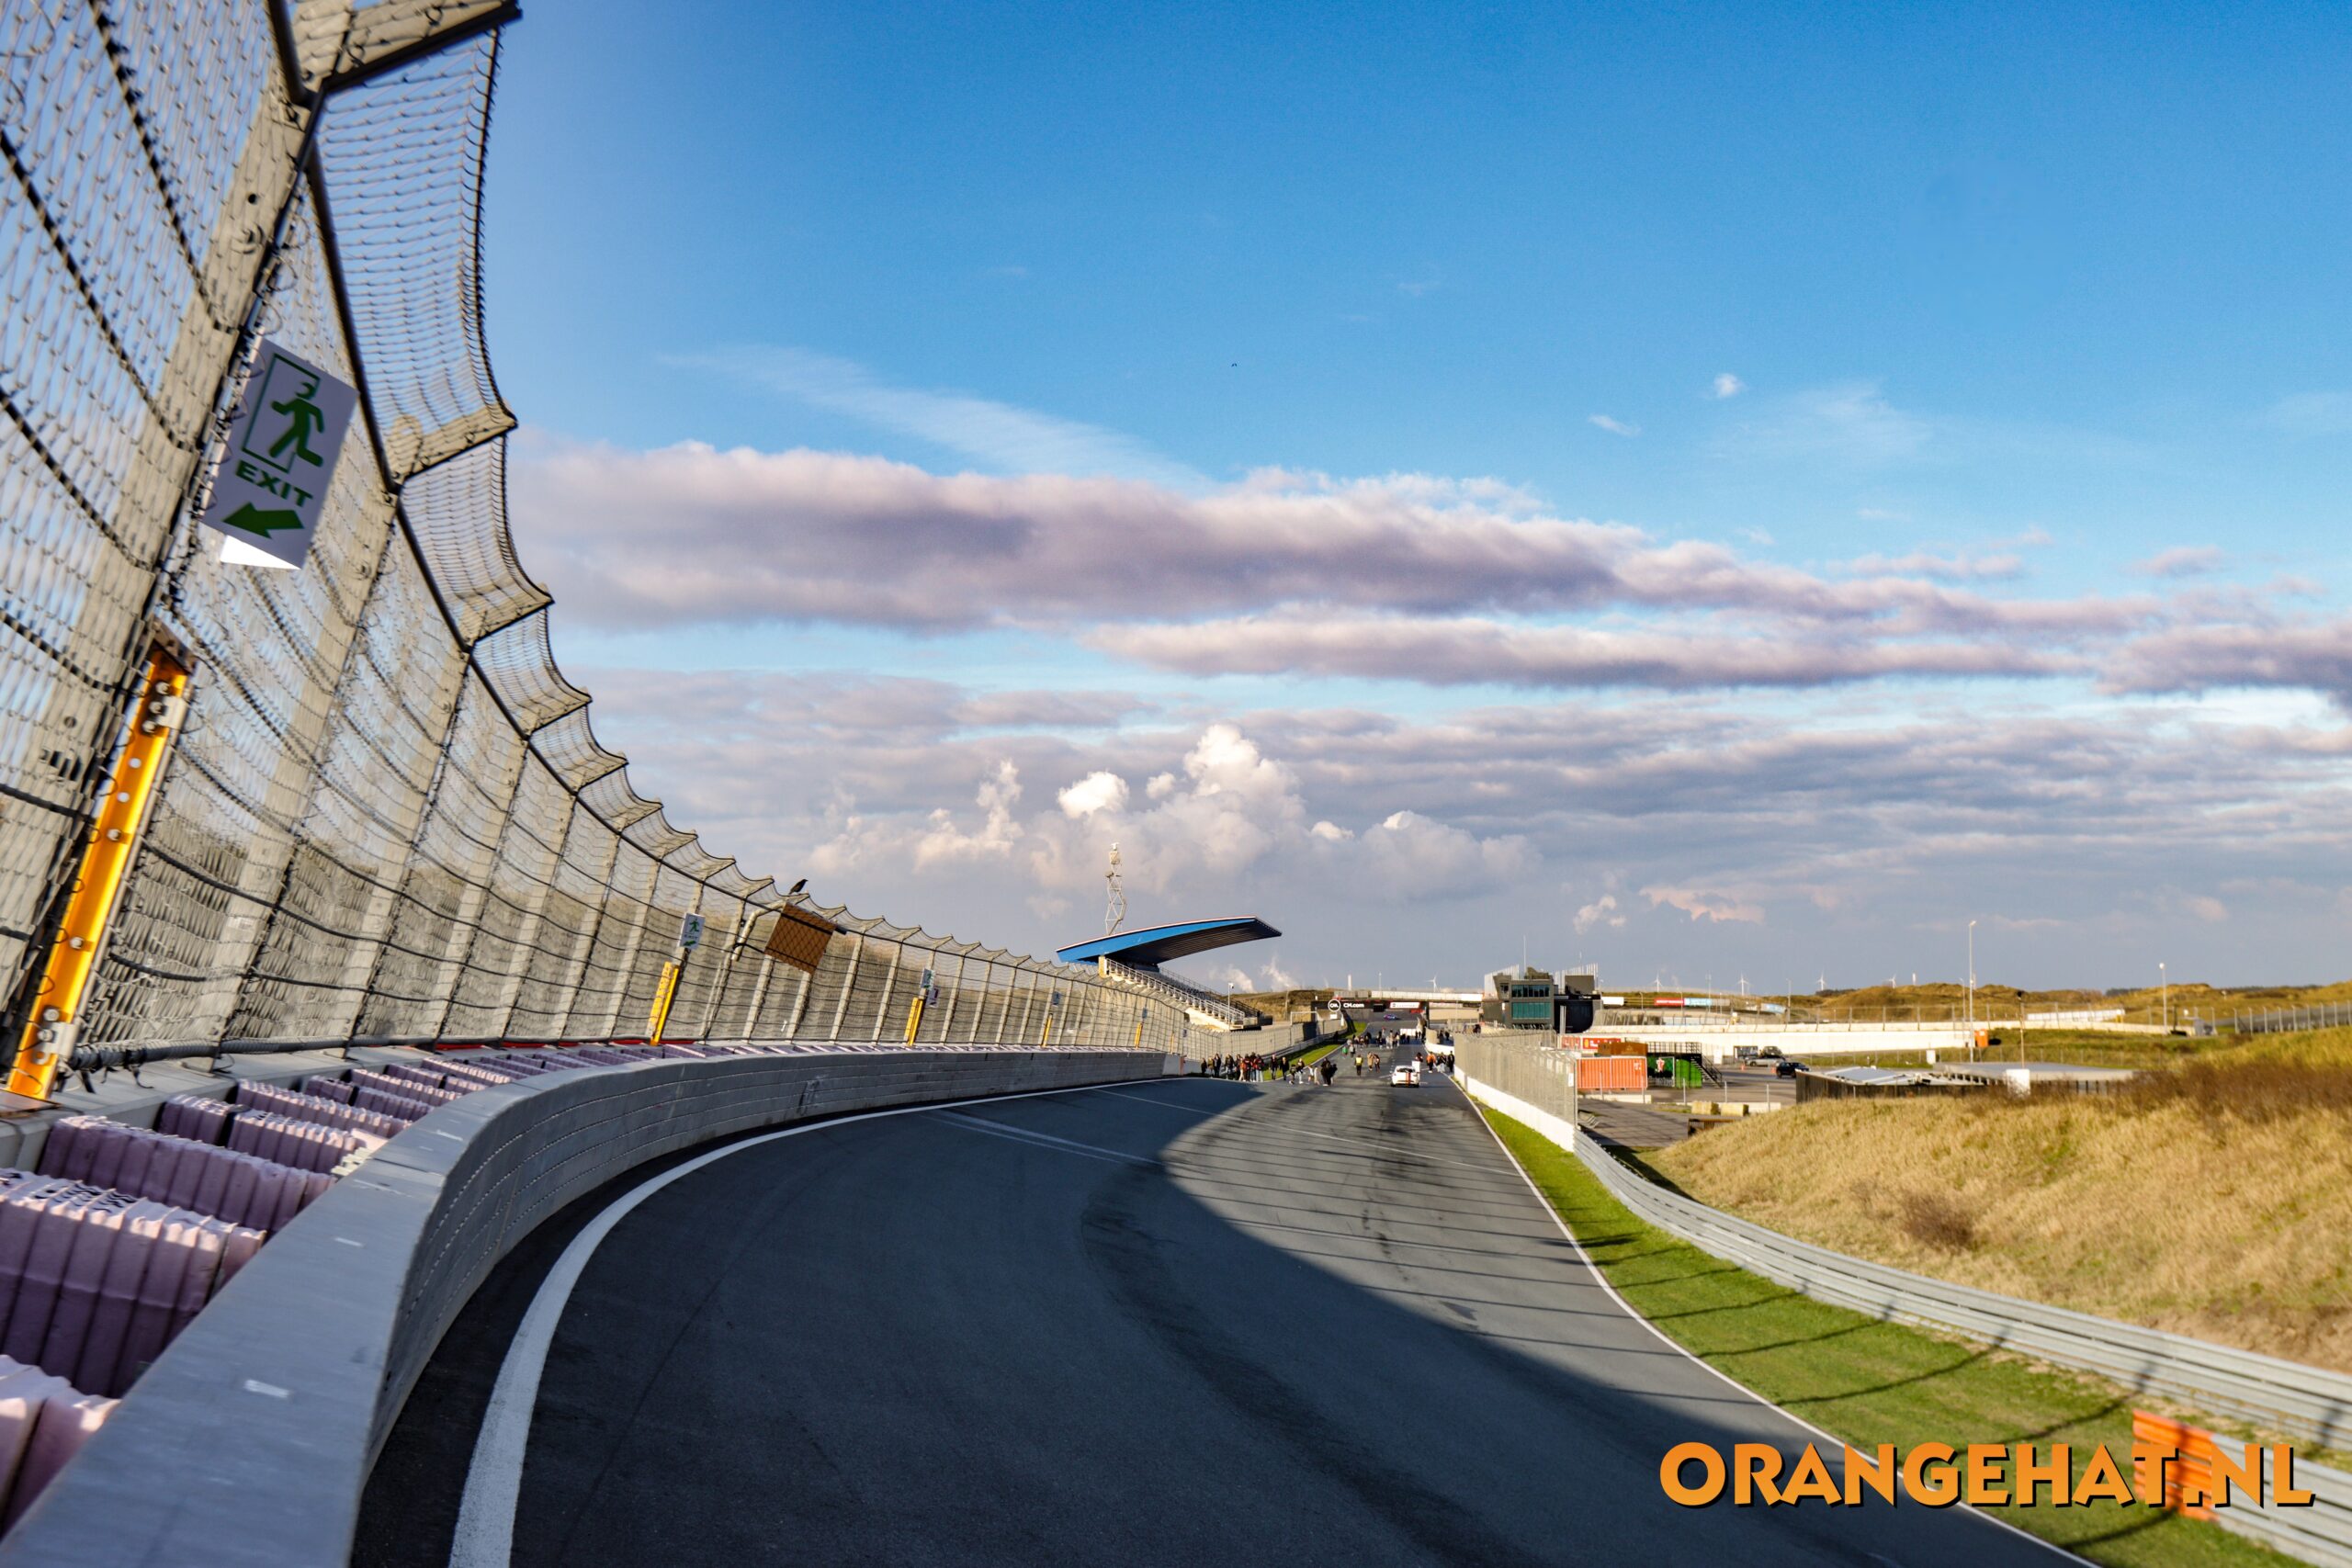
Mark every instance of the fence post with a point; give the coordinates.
(849, 982)
(890, 978)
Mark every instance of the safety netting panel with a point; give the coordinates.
(567, 929)
(513, 904)
(407, 216)
(620, 930)
(110, 202)
(387, 815)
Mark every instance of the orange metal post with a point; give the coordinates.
(155, 718)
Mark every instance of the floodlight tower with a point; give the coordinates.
(1117, 910)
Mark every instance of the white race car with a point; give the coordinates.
(1406, 1075)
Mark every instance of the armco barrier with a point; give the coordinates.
(248, 1443)
(2304, 1402)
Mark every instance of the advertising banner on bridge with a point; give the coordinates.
(271, 488)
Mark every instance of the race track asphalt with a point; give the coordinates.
(1179, 1322)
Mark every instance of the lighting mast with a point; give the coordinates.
(1117, 910)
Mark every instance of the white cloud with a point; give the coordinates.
(1469, 651)
(1703, 905)
(1001, 436)
(1728, 385)
(1099, 791)
(1437, 857)
(1958, 566)
(2181, 561)
(1342, 825)
(1598, 912)
(1616, 426)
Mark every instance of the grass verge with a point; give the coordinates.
(2207, 1198)
(1868, 1382)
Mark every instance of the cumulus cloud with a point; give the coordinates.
(1860, 822)
(1437, 857)
(2181, 561)
(1600, 912)
(1615, 427)
(1097, 791)
(1703, 905)
(1728, 385)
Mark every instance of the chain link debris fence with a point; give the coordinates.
(387, 816)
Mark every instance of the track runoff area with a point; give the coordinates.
(1174, 1322)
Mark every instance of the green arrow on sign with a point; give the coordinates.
(255, 521)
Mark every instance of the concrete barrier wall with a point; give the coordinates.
(249, 1441)
(1560, 1132)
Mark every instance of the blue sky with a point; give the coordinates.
(2013, 303)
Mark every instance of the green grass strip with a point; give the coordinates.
(1869, 1381)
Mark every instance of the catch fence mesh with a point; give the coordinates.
(386, 815)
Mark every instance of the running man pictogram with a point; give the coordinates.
(303, 416)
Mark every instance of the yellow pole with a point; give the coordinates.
(914, 1018)
(155, 718)
(663, 995)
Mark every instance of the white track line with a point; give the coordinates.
(485, 1532)
(1045, 1141)
(1680, 1349)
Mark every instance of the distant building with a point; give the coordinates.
(1528, 998)
(2076, 1015)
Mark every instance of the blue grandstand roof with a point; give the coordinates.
(1150, 949)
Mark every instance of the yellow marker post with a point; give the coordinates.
(663, 995)
(155, 718)
(914, 1018)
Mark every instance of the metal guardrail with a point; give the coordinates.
(2310, 1402)
(2288, 1021)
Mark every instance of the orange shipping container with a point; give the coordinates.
(1612, 1074)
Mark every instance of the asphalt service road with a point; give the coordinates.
(1182, 1322)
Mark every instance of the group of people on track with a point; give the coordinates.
(1266, 1069)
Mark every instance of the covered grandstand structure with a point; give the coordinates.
(1133, 959)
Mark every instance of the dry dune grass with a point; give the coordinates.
(1994, 1001)
(2216, 1200)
